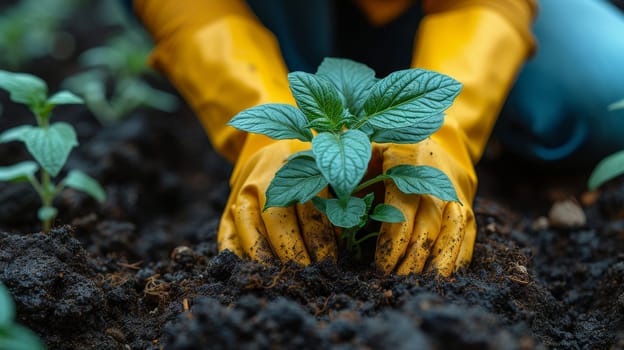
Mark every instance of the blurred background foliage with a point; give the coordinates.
(95, 48)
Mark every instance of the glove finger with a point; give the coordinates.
(465, 252)
(226, 236)
(284, 236)
(318, 233)
(426, 230)
(394, 238)
(446, 249)
(250, 228)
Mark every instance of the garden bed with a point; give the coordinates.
(142, 271)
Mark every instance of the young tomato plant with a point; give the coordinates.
(48, 143)
(342, 110)
(12, 335)
(610, 167)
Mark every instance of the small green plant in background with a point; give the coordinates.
(342, 110)
(48, 143)
(32, 29)
(610, 167)
(616, 105)
(12, 335)
(123, 62)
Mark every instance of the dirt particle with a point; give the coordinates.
(183, 255)
(427, 243)
(540, 224)
(116, 334)
(566, 214)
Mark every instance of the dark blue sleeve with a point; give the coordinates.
(127, 5)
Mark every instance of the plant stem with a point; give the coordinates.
(349, 236)
(370, 235)
(46, 198)
(370, 182)
(43, 116)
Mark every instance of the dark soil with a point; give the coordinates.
(142, 271)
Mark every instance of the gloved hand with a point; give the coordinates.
(443, 232)
(483, 48)
(222, 60)
(298, 233)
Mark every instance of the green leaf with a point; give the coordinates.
(352, 79)
(302, 154)
(616, 105)
(368, 199)
(18, 172)
(64, 98)
(46, 213)
(348, 215)
(15, 134)
(78, 180)
(278, 121)
(320, 203)
(423, 180)
(342, 158)
(404, 97)
(608, 168)
(317, 97)
(410, 134)
(299, 180)
(16, 337)
(387, 213)
(7, 307)
(24, 88)
(51, 146)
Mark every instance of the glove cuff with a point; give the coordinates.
(518, 13)
(480, 48)
(221, 65)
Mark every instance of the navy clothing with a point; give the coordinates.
(309, 31)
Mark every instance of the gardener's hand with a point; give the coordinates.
(436, 235)
(222, 60)
(299, 233)
(482, 46)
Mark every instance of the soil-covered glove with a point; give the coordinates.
(483, 47)
(435, 230)
(299, 233)
(222, 60)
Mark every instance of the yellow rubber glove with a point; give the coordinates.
(222, 60)
(482, 48)
(298, 233)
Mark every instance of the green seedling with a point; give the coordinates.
(14, 336)
(122, 62)
(342, 110)
(610, 167)
(48, 143)
(32, 29)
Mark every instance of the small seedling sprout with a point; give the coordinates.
(610, 167)
(123, 62)
(48, 143)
